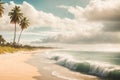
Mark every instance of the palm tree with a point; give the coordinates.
(2, 40)
(23, 24)
(1, 8)
(15, 16)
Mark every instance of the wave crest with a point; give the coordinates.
(100, 69)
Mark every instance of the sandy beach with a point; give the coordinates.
(59, 39)
(13, 67)
(30, 66)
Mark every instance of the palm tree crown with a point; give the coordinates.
(1, 8)
(24, 23)
(2, 40)
(15, 15)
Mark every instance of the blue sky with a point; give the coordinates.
(50, 6)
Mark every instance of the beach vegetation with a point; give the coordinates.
(23, 24)
(1, 8)
(15, 16)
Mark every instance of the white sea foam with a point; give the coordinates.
(91, 67)
(56, 74)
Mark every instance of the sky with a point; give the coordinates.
(50, 6)
(74, 22)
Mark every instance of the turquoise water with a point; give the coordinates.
(109, 57)
(102, 64)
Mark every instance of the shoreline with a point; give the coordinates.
(51, 71)
(32, 65)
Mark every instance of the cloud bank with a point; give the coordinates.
(98, 22)
(103, 10)
(104, 13)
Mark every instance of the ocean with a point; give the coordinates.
(102, 64)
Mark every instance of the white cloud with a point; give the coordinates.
(103, 10)
(40, 18)
(100, 11)
(103, 13)
(76, 11)
(97, 10)
(37, 18)
(81, 29)
(80, 38)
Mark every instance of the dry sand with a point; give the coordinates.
(13, 67)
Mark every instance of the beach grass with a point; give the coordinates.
(4, 49)
(10, 49)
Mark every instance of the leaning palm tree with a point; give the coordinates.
(15, 16)
(1, 8)
(23, 24)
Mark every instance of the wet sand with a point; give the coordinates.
(34, 66)
(51, 71)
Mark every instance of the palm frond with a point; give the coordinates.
(15, 15)
(1, 8)
(24, 23)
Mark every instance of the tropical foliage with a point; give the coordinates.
(2, 40)
(1, 8)
(23, 24)
(15, 16)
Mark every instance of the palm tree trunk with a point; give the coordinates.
(14, 34)
(20, 36)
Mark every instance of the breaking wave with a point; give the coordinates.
(100, 69)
